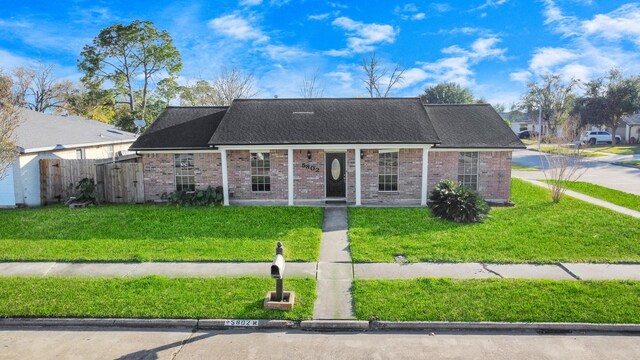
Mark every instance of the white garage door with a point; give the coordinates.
(7, 193)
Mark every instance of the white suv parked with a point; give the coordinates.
(594, 137)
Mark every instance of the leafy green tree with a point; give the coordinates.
(608, 99)
(91, 103)
(447, 93)
(554, 96)
(131, 57)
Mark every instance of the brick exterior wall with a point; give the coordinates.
(494, 175)
(409, 178)
(308, 184)
(494, 172)
(159, 173)
(239, 176)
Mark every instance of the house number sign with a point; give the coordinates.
(311, 167)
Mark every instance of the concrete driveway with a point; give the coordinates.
(597, 171)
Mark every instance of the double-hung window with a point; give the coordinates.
(388, 170)
(185, 176)
(260, 167)
(468, 169)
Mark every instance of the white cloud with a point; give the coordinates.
(362, 37)
(319, 16)
(459, 66)
(623, 23)
(520, 76)
(593, 46)
(409, 12)
(250, 2)
(441, 7)
(491, 3)
(285, 53)
(9, 60)
(237, 27)
(545, 59)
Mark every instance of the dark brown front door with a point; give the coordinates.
(336, 187)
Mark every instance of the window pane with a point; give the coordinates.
(260, 167)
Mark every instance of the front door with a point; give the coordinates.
(336, 185)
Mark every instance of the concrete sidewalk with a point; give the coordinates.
(170, 269)
(331, 273)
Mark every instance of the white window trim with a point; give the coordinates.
(251, 152)
(477, 174)
(397, 171)
(175, 173)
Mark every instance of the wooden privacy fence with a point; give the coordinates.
(120, 182)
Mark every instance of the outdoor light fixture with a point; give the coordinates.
(309, 154)
(361, 154)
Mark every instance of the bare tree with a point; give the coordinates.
(310, 88)
(233, 84)
(563, 164)
(36, 88)
(8, 125)
(377, 80)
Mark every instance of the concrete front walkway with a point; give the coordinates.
(335, 269)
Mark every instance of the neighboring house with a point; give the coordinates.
(309, 151)
(44, 136)
(629, 130)
(519, 121)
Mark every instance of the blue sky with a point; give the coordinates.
(490, 46)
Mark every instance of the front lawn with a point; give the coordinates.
(159, 233)
(534, 231)
(504, 300)
(631, 163)
(566, 151)
(150, 297)
(518, 167)
(618, 149)
(620, 198)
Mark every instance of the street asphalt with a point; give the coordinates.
(87, 343)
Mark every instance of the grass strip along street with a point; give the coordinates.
(533, 231)
(159, 233)
(150, 297)
(505, 300)
(630, 201)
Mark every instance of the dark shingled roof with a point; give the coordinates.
(471, 126)
(325, 121)
(181, 128)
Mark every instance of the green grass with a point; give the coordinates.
(534, 231)
(508, 300)
(159, 233)
(561, 150)
(619, 149)
(632, 162)
(518, 167)
(149, 297)
(620, 198)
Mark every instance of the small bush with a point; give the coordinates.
(86, 190)
(207, 197)
(452, 201)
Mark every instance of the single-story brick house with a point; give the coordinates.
(306, 151)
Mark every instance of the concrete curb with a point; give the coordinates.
(99, 322)
(501, 326)
(319, 325)
(334, 325)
